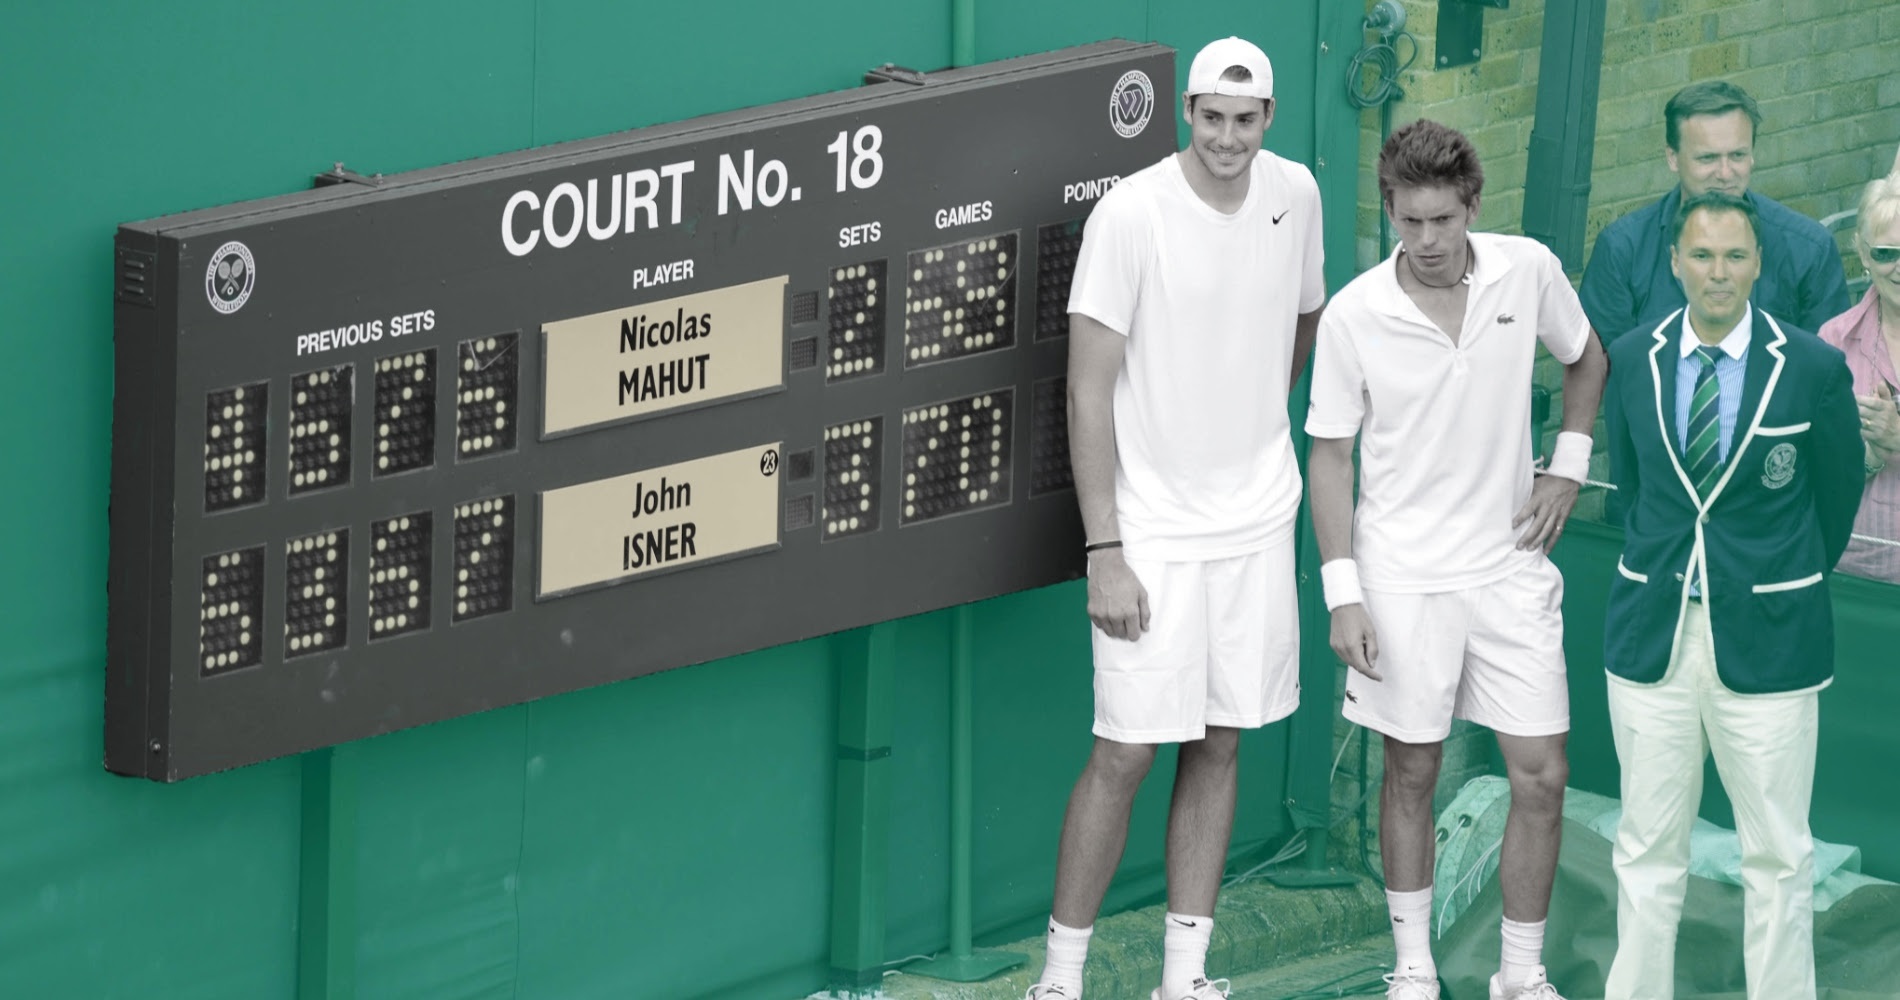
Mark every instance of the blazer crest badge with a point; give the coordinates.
(1777, 470)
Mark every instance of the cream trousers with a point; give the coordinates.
(1764, 752)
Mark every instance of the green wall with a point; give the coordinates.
(669, 836)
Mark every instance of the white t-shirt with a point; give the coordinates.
(1445, 441)
(1204, 465)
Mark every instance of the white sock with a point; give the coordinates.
(1412, 930)
(1068, 952)
(1184, 953)
(1523, 952)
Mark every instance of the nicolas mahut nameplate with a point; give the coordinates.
(656, 357)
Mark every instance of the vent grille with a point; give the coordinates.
(804, 307)
(798, 465)
(137, 274)
(798, 513)
(804, 353)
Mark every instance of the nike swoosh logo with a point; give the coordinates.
(1282, 215)
(1187, 923)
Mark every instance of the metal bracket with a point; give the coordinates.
(1386, 17)
(1461, 31)
(893, 73)
(338, 174)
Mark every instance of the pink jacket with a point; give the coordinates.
(1857, 333)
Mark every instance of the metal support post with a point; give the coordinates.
(861, 849)
(960, 964)
(326, 901)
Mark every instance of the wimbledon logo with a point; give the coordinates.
(230, 277)
(1131, 103)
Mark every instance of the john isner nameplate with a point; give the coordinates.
(659, 519)
(398, 449)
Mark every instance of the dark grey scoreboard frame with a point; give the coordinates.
(185, 696)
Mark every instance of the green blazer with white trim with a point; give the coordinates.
(1771, 529)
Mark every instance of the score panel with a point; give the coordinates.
(393, 451)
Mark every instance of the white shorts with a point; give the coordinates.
(1493, 655)
(1222, 649)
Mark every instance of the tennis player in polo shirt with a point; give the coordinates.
(1444, 602)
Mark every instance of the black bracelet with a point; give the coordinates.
(1099, 546)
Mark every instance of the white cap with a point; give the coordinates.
(1212, 61)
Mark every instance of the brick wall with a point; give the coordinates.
(1493, 101)
(1825, 72)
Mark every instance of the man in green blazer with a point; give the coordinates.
(1734, 440)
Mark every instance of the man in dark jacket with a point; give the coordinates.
(1709, 134)
(1734, 441)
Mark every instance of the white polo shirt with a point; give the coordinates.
(1204, 462)
(1445, 440)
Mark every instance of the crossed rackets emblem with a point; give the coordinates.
(230, 277)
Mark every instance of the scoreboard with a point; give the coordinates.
(395, 450)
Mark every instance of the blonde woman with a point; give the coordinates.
(1869, 334)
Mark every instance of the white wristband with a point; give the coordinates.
(1339, 579)
(1570, 458)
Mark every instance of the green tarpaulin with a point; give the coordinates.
(1857, 940)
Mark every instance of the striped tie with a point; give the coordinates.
(1705, 425)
